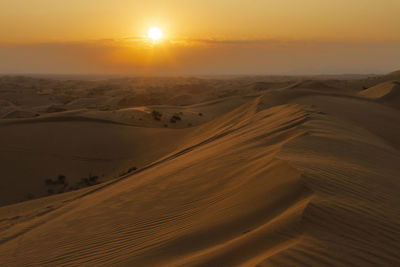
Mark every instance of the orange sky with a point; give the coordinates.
(218, 36)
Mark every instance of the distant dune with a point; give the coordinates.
(248, 171)
(387, 92)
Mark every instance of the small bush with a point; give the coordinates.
(93, 179)
(61, 179)
(200, 114)
(60, 185)
(129, 171)
(175, 118)
(156, 115)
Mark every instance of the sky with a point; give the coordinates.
(200, 37)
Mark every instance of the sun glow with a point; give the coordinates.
(155, 34)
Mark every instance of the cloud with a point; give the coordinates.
(135, 55)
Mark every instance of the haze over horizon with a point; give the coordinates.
(264, 37)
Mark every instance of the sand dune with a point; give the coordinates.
(304, 175)
(387, 92)
(380, 90)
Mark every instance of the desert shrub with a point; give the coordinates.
(60, 185)
(175, 118)
(61, 179)
(200, 114)
(129, 171)
(165, 125)
(156, 115)
(93, 179)
(189, 124)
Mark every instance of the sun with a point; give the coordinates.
(155, 34)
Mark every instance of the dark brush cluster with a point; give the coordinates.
(60, 185)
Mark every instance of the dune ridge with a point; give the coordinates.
(264, 184)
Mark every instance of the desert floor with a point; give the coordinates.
(206, 171)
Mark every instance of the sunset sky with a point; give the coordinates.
(200, 37)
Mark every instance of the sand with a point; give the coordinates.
(386, 92)
(276, 171)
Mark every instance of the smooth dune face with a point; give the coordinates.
(380, 90)
(297, 174)
(387, 92)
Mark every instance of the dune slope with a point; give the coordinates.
(387, 92)
(289, 185)
(85, 142)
